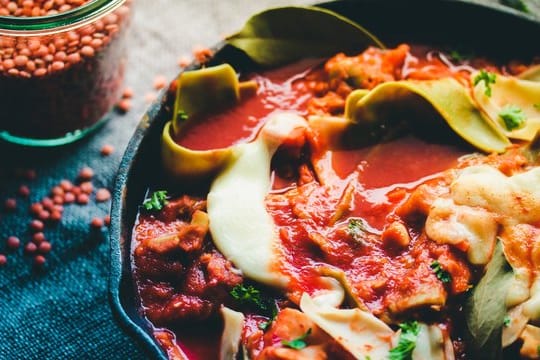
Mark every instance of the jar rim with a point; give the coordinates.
(80, 14)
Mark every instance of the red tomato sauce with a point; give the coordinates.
(311, 209)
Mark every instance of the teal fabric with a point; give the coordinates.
(61, 311)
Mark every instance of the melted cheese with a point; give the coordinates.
(240, 225)
(448, 223)
(516, 198)
(359, 332)
(482, 200)
(232, 333)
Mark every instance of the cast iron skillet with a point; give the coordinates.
(493, 30)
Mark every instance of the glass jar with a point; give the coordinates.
(61, 67)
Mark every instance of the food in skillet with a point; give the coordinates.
(380, 205)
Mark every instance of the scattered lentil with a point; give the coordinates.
(30, 248)
(10, 204)
(103, 195)
(69, 198)
(38, 238)
(107, 220)
(82, 199)
(45, 247)
(13, 242)
(183, 61)
(39, 260)
(97, 223)
(160, 82)
(37, 225)
(24, 191)
(86, 173)
(123, 106)
(107, 150)
(128, 93)
(3, 260)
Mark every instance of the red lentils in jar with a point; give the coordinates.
(58, 82)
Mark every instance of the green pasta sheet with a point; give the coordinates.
(422, 104)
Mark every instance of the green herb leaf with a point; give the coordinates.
(182, 116)
(456, 55)
(264, 325)
(488, 79)
(298, 343)
(485, 309)
(512, 116)
(441, 274)
(251, 296)
(286, 34)
(516, 4)
(407, 341)
(507, 321)
(537, 106)
(157, 201)
(355, 228)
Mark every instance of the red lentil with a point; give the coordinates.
(86, 187)
(66, 185)
(107, 220)
(69, 198)
(39, 260)
(44, 215)
(128, 93)
(123, 106)
(55, 215)
(97, 223)
(3, 260)
(103, 195)
(82, 199)
(24, 191)
(45, 247)
(30, 248)
(160, 82)
(38, 238)
(47, 202)
(57, 190)
(58, 199)
(86, 173)
(10, 204)
(13, 242)
(36, 208)
(107, 150)
(202, 53)
(37, 225)
(183, 61)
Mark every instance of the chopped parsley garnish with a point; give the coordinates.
(298, 343)
(407, 341)
(182, 116)
(251, 296)
(538, 350)
(157, 200)
(537, 106)
(441, 274)
(512, 116)
(356, 228)
(516, 4)
(488, 79)
(507, 321)
(264, 325)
